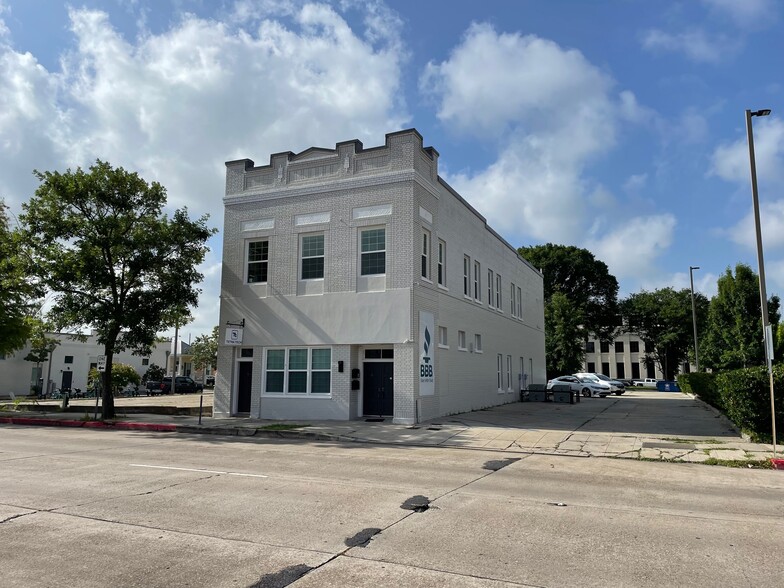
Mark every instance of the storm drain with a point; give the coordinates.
(416, 503)
(664, 445)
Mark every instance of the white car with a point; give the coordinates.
(592, 385)
(572, 381)
(616, 386)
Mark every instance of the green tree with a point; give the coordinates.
(154, 373)
(663, 319)
(734, 333)
(204, 350)
(122, 375)
(564, 336)
(113, 260)
(18, 292)
(587, 289)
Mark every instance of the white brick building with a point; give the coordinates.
(368, 287)
(623, 358)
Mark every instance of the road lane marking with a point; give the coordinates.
(157, 467)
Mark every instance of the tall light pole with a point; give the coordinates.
(694, 314)
(766, 329)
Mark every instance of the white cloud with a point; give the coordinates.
(704, 282)
(696, 45)
(774, 275)
(635, 184)
(745, 13)
(771, 224)
(730, 161)
(630, 250)
(176, 104)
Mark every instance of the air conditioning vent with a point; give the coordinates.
(470, 347)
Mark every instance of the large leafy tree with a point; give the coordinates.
(112, 259)
(663, 319)
(734, 334)
(573, 279)
(18, 292)
(204, 350)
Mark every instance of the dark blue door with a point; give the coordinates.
(377, 388)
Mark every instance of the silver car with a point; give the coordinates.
(616, 386)
(591, 385)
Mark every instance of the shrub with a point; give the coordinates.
(703, 385)
(745, 398)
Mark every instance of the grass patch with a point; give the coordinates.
(756, 464)
(281, 427)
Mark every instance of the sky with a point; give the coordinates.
(615, 125)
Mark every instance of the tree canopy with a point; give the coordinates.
(580, 299)
(112, 259)
(663, 320)
(18, 292)
(204, 350)
(734, 333)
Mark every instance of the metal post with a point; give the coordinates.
(694, 316)
(761, 264)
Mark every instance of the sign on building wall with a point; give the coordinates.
(234, 336)
(426, 354)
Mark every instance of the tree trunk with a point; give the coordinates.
(107, 394)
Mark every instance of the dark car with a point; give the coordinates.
(182, 385)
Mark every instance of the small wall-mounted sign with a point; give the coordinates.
(233, 336)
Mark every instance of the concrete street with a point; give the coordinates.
(114, 508)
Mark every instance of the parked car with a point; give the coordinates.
(571, 381)
(591, 385)
(617, 387)
(182, 385)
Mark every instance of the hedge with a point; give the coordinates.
(745, 398)
(702, 384)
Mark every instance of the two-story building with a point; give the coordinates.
(357, 283)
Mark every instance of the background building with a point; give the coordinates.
(623, 358)
(357, 283)
(69, 364)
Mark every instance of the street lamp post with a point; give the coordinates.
(766, 331)
(694, 315)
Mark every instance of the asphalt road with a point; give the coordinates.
(109, 508)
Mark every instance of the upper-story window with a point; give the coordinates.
(374, 252)
(519, 302)
(466, 276)
(604, 346)
(426, 254)
(312, 247)
(634, 346)
(477, 281)
(489, 287)
(441, 263)
(498, 301)
(258, 261)
(512, 300)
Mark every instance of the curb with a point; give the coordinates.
(122, 425)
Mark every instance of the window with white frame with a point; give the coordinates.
(500, 371)
(426, 254)
(478, 343)
(466, 276)
(442, 337)
(477, 281)
(490, 288)
(258, 261)
(297, 371)
(498, 301)
(441, 263)
(512, 300)
(373, 251)
(312, 254)
(519, 303)
(461, 340)
(508, 372)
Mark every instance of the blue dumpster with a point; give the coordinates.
(667, 386)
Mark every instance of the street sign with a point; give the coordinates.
(101, 363)
(234, 336)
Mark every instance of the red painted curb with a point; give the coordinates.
(123, 425)
(778, 463)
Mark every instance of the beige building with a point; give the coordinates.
(623, 358)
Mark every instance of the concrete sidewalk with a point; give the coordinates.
(651, 425)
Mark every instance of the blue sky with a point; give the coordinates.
(617, 125)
